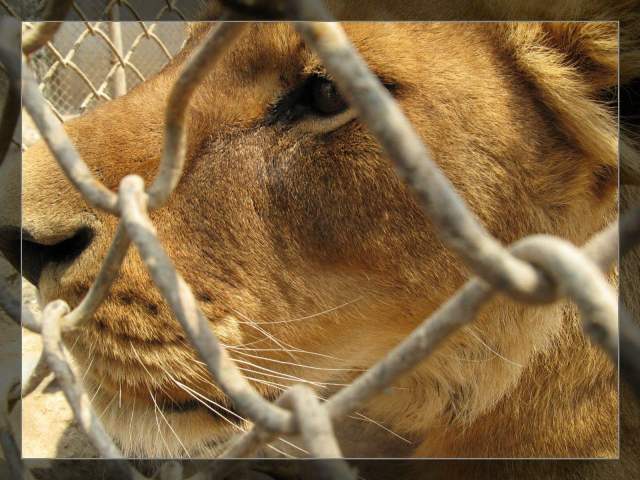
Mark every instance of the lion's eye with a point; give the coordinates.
(316, 96)
(325, 98)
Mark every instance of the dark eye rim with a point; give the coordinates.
(322, 89)
(298, 103)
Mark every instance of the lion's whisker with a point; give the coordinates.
(202, 398)
(278, 386)
(247, 344)
(155, 412)
(280, 375)
(471, 360)
(283, 387)
(208, 381)
(253, 324)
(153, 380)
(496, 353)
(301, 364)
(297, 350)
(285, 376)
(363, 417)
(107, 407)
(296, 378)
(194, 392)
(91, 358)
(322, 398)
(378, 424)
(131, 422)
(206, 399)
(270, 373)
(156, 404)
(196, 395)
(168, 424)
(96, 392)
(252, 342)
(73, 345)
(307, 317)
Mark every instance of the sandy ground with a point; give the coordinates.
(48, 427)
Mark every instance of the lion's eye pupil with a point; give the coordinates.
(316, 96)
(325, 97)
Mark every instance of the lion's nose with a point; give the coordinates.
(39, 250)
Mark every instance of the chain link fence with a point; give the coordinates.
(538, 269)
(159, 10)
(91, 62)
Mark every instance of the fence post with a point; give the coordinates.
(119, 81)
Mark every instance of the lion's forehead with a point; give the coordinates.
(393, 51)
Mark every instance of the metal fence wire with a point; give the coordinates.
(91, 62)
(537, 269)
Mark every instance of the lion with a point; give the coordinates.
(311, 259)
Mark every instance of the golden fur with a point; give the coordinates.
(298, 238)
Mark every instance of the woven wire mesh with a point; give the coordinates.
(78, 69)
(538, 269)
(102, 9)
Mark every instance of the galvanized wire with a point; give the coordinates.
(536, 269)
(88, 62)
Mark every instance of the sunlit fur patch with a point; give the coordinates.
(311, 259)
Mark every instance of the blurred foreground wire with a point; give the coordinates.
(537, 269)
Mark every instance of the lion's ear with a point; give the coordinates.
(591, 48)
(573, 67)
(606, 55)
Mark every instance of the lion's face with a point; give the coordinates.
(306, 253)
